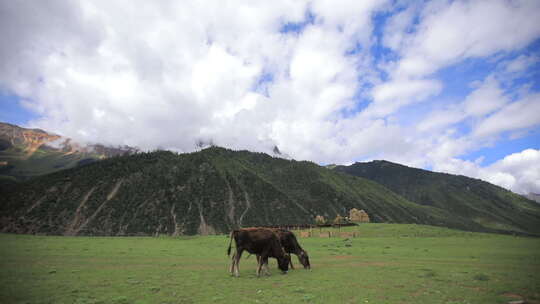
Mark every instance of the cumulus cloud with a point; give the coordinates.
(485, 99)
(517, 171)
(517, 115)
(392, 95)
(452, 31)
(395, 31)
(521, 63)
(302, 75)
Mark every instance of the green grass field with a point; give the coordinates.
(388, 264)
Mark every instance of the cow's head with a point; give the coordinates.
(304, 259)
(283, 263)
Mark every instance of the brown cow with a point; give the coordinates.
(290, 245)
(262, 242)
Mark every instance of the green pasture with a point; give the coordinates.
(387, 264)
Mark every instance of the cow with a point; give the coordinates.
(262, 242)
(290, 245)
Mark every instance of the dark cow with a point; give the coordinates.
(262, 242)
(290, 245)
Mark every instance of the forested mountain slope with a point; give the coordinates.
(214, 190)
(484, 203)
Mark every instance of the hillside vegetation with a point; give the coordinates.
(211, 191)
(484, 203)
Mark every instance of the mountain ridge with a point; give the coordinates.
(489, 205)
(216, 189)
(210, 191)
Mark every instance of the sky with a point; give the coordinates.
(449, 86)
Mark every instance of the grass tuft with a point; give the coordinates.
(481, 277)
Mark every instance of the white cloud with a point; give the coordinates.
(449, 32)
(352, 17)
(484, 100)
(443, 118)
(167, 74)
(392, 95)
(514, 116)
(519, 172)
(521, 63)
(452, 31)
(395, 31)
(487, 98)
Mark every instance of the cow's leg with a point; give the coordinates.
(258, 257)
(231, 269)
(262, 266)
(266, 269)
(263, 262)
(238, 255)
(290, 262)
(259, 266)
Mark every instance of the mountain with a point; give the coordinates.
(481, 202)
(213, 190)
(25, 153)
(534, 197)
(49, 184)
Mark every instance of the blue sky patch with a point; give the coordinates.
(13, 112)
(298, 27)
(505, 146)
(261, 84)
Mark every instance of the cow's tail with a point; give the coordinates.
(230, 243)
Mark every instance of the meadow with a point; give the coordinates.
(388, 263)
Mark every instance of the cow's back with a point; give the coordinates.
(288, 241)
(255, 240)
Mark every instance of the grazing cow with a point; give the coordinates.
(290, 245)
(262, 242)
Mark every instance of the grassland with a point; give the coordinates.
(387, 264)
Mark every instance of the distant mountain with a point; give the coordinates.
(214, 190)
(50, 184)
(534, 197)
(481, 202)
(26, 153)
